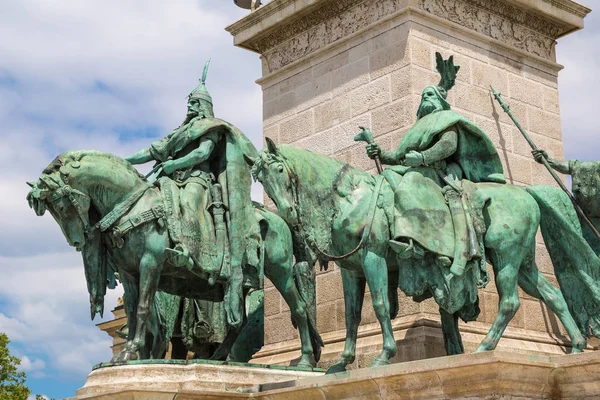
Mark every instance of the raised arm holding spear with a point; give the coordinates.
(542, 158)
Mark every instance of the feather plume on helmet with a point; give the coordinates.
(200, 94)
(447, 71)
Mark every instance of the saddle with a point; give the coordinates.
(195, 248)
(422, 214)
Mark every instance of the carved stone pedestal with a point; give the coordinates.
(196, 379)
(491, 375)
(330, 66)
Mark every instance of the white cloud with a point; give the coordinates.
(34, 369)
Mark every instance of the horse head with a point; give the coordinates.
(278, 180)
(69, 207)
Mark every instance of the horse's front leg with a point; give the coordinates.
(376, 273)
(149, 278)
(354, 294)
(130, 300)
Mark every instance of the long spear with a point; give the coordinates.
(579, 210)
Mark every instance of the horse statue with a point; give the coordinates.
(83, 189)
(344, 215)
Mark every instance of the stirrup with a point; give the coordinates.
(407, 250)
(179, 257)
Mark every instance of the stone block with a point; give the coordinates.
(279, 328)
(370, 96)
(420, 53)
(401, 83)
(522, 147)
(332, 112)
(538, 318)
(485, 75)
(421, 78)
(314, 92)
(279, 108)
(544, 123)
(541, 176)
(326, 317)
(472, 99)
(358, 51)
(551, 102)
(349, 77)
(298, 127)
(518, 109)
(388, 59)
(295, 81)
(368, 315)
(517, 169)
(343, 135)
(333, 63)
(501, 134)
(525, 90)
(542, 260)
(319, 143)
(394, 116)
(271, 132)
(406, 305)
(272, 302)
(329, 287)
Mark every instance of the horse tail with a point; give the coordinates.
(304, 278)
(576, 265)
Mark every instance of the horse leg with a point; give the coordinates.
(223, 351)
(536, 285)
(149, 277)
(284, 283)
(130, 301)
(354, 294)
(376, 274)
(452, 339)
(506, 270)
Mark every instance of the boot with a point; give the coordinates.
(180, 257)
(407, 250)
(461, 243)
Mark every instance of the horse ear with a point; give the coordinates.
(271, 146)
(249, 160)
(31, 184)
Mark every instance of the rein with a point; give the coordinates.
(311, 242)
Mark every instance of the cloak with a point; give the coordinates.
(231, 171)
(476, 153)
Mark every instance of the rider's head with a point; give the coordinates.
(433, 99)
(199, 100)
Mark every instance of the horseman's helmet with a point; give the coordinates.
(200, 93)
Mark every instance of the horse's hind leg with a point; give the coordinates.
(536, 285)
(376, 273)
(354, 294)
(506, 269)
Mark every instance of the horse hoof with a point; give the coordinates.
(337, 367)
(576, 351)
(125, 356)
(304, 362)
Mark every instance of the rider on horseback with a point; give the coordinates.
(204, 157)
(445, 147)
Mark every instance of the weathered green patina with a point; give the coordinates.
(194, 233)
(425, 228)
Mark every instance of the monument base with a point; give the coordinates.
(158, 379)
(490, 375)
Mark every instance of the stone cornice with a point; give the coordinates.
(286, 30)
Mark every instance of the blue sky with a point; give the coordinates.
(114, 75)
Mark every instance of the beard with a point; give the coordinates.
(427, 107)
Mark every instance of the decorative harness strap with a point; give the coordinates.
(121, 209)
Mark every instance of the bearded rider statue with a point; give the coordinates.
(445, 147)
(218, 235)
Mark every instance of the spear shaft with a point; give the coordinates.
(578, 208)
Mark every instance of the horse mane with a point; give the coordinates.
(322, 183)
(77, 155)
